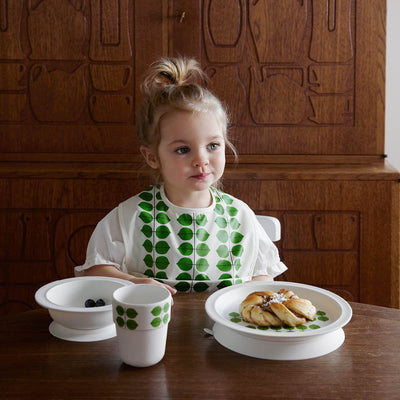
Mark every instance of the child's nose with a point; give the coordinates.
(200, 160)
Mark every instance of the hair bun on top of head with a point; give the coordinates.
(173, 71)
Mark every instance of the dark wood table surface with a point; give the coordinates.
(36, 365)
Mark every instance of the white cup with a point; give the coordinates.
(141, 314)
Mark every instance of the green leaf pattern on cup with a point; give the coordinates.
(127, 317)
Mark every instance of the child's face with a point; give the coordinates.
(191, 154)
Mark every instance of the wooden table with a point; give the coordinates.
(35, 365)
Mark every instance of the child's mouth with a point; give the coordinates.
(201, 176)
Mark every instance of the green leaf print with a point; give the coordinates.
(234, 314)
(219, 209)
(148, 261)
(120, 321)
(185, 234)
(158, 196)
(131, 313)
(166, 307)
(182, 286)
(185, 219)
(162, 247)
(237, 250)
(236, 237)
(165, 318)
(162, 218)
(148, 245)
(202, 234)
(202, 250)
(227, 199)
(200, 287)
(237, 264)
(235, 224)
(222, 236)
(186, 249)
(202, 265)
(224, 284)
(147, 230)
(162, 262)
(120, 310)
(161, 206)
(223, 251)
(225, 276)
(221, 222)
(156, 311)
(146, 196)
(162, 232)
(145, 217)
(224, 265)
(131, 324)
(156, 322)
(161, 275)
(149, 273)
(232, 211)
(201, 220)
(184, 276)
(301, 327)
(146, 206)
(201, 277)
(185, 264)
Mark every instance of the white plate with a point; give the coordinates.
(82, 335)
(313, 339)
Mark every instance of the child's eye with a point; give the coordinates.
(182, 150)
(214, 146)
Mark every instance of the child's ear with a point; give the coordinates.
(150, 156)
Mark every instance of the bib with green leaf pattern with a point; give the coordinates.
(189, 249)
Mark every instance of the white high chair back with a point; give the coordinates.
(271, 225)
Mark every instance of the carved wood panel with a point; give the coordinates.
(292, 72)
(68, 73)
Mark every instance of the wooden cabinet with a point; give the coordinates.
(304, 84)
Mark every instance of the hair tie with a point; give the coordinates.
(168, 76)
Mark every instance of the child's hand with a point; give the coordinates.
(262, 278)
(113, 271)
(152, 282)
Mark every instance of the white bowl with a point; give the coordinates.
(313, 339)
(65, 300)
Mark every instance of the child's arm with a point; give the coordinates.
(262, 278)
(114, 272)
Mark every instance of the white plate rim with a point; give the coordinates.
(41, 298)
(344, 318)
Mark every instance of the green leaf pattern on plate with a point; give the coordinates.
(316, 323)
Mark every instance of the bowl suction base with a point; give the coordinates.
(82, 335)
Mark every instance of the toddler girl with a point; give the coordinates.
(183, 233)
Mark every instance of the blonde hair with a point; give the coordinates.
(175, 84)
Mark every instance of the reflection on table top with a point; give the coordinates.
(36, 365)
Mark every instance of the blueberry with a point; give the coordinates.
(100, 303)
(90, 303)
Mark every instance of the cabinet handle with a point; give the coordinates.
(183, 15)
